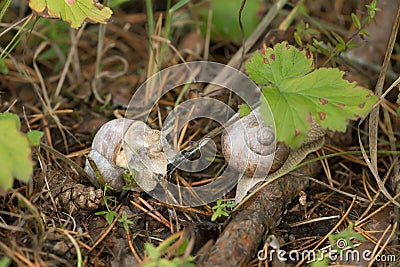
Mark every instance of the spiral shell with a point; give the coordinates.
(248, 146)
(121, 145)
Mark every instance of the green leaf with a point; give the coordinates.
(345, 237)
(215, 216)
(320, 261)
(15, 154)
(356, 21)
(224, 213)
(225, 19)
(73, 11)
(167, 263)
(244, 110)
(101, 212)
(5, 261)
(110, 216)
(297, 38)
(294, 94)
(182, 248)
(11, 116)
(272, 66)
(34, 137)
(3, 68)
(178, 5)
(152, 251)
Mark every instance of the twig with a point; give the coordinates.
(133, 250)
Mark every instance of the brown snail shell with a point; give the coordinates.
(121, 145)
(249, 147)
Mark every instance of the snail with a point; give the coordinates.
(255, 151)
(247, 145)
(251, 148)
(123, 144)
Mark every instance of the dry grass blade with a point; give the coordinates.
(374, 115)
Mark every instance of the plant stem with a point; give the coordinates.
(4, 9)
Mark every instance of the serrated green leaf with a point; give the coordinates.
(11, 116)
(34, 137)
(294, 93)
(73, 11)
(325, 95)
(15, 154)
(272, 66)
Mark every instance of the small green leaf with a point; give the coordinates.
(224, 213)
(346, 236)
(297, 38)
(367, 34)
(320, 260)
(356, 21)
(34, 137)
(214, 216)
(110, 216)
(372, 9)
(3, 68)
(244, 110)
(73, 11)
(152, 251)
(230, 204)
(167, 263)
(182, 248)
(5, 261)
(11, 116)
(15, 154)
